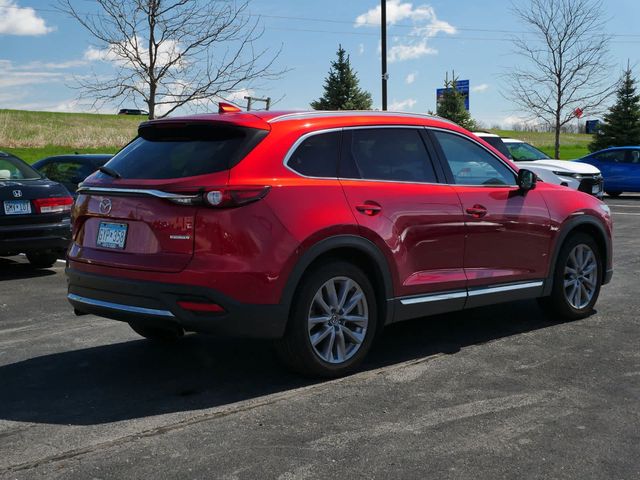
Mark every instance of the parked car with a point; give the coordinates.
(70, 170)
(35, 214)
(132, 111)
(317, 229)
(576, 175)
(620, 167)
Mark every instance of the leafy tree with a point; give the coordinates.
(622, 123)
(341, 88)
(451, 105)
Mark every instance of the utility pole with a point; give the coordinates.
(385, 75)
(250, 101)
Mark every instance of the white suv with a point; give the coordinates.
(576, 175)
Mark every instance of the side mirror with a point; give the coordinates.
(526, 180)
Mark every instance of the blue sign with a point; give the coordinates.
(462, 86)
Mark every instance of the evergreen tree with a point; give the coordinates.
(622, 123)
(451, 105)
(341, 90)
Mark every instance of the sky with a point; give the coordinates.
(43, 52)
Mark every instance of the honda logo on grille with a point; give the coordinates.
(105, 205)
(17, 193)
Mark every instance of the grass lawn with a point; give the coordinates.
(572, 145)
(35, 135)
(33, 154)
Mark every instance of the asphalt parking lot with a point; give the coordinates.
(497, 392)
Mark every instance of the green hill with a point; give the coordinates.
(34, 135)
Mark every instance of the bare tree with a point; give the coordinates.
(170, 53)
(568, 67)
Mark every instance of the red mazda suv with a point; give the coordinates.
(317, 229)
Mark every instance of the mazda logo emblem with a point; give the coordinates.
(105, 205)
(17, 193)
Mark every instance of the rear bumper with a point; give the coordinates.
(156, 304)
(35, 237)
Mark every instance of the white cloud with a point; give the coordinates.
(483, 87)
(425, 25)
(120, 53)
(399, 53)
(396, 12)
(411, 78)
(16, 20)
(361, 49)
(402, 105)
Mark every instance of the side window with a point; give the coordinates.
(386, 154)
(634, 156)
(317, 156)
(471, 164)
(615, 156)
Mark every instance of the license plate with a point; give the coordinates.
(112, 235)
(17, 207)
(596, 188)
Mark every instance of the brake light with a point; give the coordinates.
(230, 197)
(53, 204)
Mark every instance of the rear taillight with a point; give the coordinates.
(230, 197)
(53, 204)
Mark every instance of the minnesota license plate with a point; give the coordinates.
(597, 188)
(17, 207)
(112, 235)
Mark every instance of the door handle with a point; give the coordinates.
(477, 211)
(369, 208)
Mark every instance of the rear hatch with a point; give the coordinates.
(139, 211)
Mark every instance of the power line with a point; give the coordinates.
(344, 22)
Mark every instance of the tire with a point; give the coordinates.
(329, 335)
(613, 194)
(157, 334)
(42, 259)
(574, 294)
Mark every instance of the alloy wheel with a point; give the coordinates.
(580, 276)
(338, 319)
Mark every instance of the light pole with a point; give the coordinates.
(385, 75)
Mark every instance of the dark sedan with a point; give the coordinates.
(70, 170)
(34, 213)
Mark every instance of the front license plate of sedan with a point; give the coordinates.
(17, 207)
(597, 188)
(112, 235)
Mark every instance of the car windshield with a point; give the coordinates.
(12, 168)
(523, 152)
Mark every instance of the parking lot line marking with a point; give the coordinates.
(626, 213)
(622, 206)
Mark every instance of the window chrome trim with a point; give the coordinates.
(455, 294)
(136, 191)
(118, 306)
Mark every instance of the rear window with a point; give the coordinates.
(12, 168)
(164, 151)
(498, 144)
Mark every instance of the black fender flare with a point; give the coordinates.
(333, 243)
(567, 229)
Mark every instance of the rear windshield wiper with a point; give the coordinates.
(110, 171)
